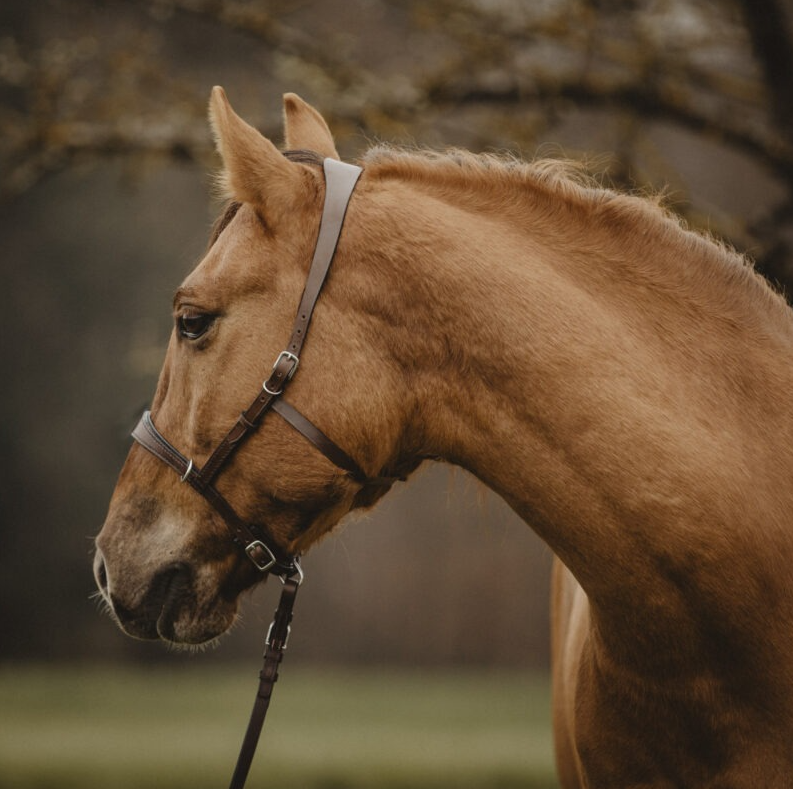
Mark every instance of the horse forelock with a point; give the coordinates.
(304, 156)
(222, 222)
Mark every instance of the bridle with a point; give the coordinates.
(255, 539)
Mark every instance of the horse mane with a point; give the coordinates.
(567, 178)
(637, 224)
(565, 184)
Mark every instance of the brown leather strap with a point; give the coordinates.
(340, 181)
(146, 434)
(247, 422)
(264, 552)
(326, 446)
(275, 645)
(261, 548)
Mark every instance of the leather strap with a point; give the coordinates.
(248, 421)
(330, 449)
(340, 180)
(258, 543)
(275, 645)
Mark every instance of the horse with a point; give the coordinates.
(621, 381)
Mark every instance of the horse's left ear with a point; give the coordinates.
(305, 128)
(255, 171)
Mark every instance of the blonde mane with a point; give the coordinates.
(638, 224)
(566, 177)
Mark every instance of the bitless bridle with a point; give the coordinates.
(255, 539)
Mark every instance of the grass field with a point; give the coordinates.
(119, 728)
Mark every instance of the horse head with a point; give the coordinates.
(165, 562)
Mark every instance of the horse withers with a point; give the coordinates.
(623, 383)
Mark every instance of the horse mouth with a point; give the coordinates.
(176, 592)
(170, 593)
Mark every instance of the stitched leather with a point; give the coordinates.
(256, 541)
(340, 180)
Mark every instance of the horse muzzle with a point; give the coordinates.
(166, 609)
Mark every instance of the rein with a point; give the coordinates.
(255, 539)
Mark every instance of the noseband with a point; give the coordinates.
(256, 540)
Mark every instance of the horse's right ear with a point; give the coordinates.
(255, 171)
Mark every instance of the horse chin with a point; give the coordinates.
(187, 621)
(189, 631)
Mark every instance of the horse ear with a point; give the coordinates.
(255, 171)
(305, 128)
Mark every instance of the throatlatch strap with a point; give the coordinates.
(312, 433)
(273, 655)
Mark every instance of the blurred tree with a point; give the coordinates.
(90, 79)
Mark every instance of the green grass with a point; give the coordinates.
(119, 728)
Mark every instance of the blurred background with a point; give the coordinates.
(105, 205)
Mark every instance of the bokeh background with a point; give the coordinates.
(105, 204)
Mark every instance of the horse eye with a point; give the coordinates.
(191, 327)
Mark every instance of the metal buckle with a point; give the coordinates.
(268, 640)
(290, 357)
(252, 548)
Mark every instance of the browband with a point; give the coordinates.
(256, 541)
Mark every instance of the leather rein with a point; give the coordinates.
(255, 539)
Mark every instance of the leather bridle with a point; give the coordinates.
(255, 539)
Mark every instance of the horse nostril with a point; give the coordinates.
(100, 572)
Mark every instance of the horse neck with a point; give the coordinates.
(589, 380)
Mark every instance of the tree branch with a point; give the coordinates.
(769, 31)
(638, 99)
